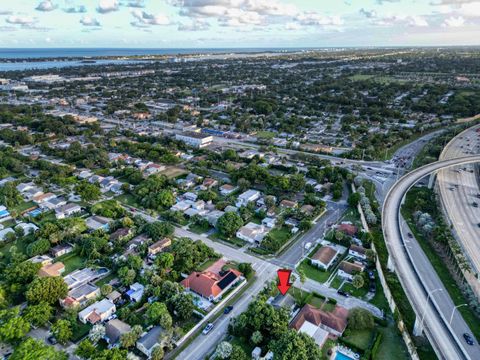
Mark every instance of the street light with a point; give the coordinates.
(453, 312)
(426, 303)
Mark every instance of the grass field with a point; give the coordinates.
(360, 338)
(72, 262)
(358, 293)
(313, 273)
(265, 135)
(173, 172)
(127, 199)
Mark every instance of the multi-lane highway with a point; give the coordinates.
(425, 291)
(459, 192)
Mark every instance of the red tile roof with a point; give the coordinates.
(207, 282)
(348, 229)
(336, 320)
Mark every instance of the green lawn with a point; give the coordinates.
(21, 245)
(207, 264)
(81, 330)
(105, 280)
(358, 293)
(336, 282)
(128, 199)
(360, 338)
(198, 229)
(22, 207)
(392, 343)
(281, 235)
(312, 272)
(72, 262)
(233, 241)
(265, 135)
(379, 300)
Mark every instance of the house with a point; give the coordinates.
(67, 210)
(4, 233)
(211, 285)
(80, 295)
(213, 216)
(41, 259)
(253, 233)
(135, 292)
(209, 183)
(97, 312)
(324, 257)
(288, 204)
(53, 203)
(44, 197)
(348, 270)
(114, 296)
(307, 209)
(51, 270)
(347, 229)
(4, 213)
(190, 196)
(85, 174)
(159, 246)
(28, 228)
(182, 206)
(60, 250)
(152, 169)
(227, 189)
(150, 340)
(121, 234)
(195, 139)
(114, 329)
(358, 252)
(136, 242)
(269, 222)
(83, 276)
(31, 193)
(98, 222)
(319, 324)
(247, 197)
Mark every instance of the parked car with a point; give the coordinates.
(51, 340)
(343, 293)
(475, 205)
(371, 275)
(207, 329)
(468, 339)
(410, 235)
(228, 309)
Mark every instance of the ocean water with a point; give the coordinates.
(21, 59)
(24, 53)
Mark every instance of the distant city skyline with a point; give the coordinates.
(238, 23)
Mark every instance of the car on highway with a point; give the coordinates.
(343, 293)
(410, 235)
(468, 339)
(228, 309)
(207, 329)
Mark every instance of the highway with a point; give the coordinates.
(458, 189)
(424, 289)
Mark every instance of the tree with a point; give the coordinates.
(47, 290)
(13, 327)
(164, 261)
(229, 223)
(9, 195)
(182, 305)
(305, 224)
(97, 332)
(126, 275)
(238, 353)
(246, 269)
(224, 350)
(256, 337)
(88, 192)
(128, 340)
(106, 289)
(39, 314)
(85, 349)
(157, 313)
(32, 349)
(158, 230)
(354, 199)
(38, 247)
(360, 319)
(294, 345)
(157, 353)
(358, 281)
(62, 330)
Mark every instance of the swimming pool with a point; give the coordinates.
(341, 356)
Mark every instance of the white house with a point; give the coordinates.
(194, 139)
(358, 252)
(67, 210)
(324, 257)
(97, 312)
(5, 232)
(348, 270)
(253, 233)
(247, 197)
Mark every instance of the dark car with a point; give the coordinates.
(371, 275)
(51, 340)
(475, 205)
(372, 288)
(468, 339)
(343, 293)
(228, 309)
(410, 235)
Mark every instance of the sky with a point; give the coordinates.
(237, 23)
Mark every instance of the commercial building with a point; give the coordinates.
(194, 139)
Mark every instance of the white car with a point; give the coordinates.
(207, 329)
(308, 245)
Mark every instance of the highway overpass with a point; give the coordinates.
(430, 300)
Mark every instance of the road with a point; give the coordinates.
(458, 189)
(417, 276)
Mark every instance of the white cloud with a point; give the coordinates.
(46, 5)
(313, 18)
(76, 9)
(5, 12)
(414, 21)
(196, 25)
(89, 21)
(136, 3)
(106, 6)
(21, 20)
(143, 19)
(293, 26)
(454, 22)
